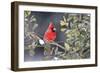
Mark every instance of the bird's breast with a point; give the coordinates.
(50, 36)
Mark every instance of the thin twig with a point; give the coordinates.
(54, 43)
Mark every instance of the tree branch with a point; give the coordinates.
(35, 36)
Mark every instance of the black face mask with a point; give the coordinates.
(54, 29)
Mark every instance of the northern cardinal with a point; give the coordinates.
(50, 34)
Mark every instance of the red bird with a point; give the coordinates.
(50, 34)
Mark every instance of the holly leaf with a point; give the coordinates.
(27, 13)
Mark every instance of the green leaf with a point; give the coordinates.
(31, 52)
(27, 13)
(62, 29)
(32, 19)
(63, 24)
(67, 46)
(76, 48)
